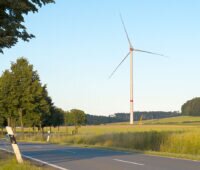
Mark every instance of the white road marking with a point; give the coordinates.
(135, 163)
(37, 160)
(52, 165)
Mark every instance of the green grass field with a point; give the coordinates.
(179, 135)
(181, 120)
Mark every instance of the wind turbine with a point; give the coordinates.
(131, 50)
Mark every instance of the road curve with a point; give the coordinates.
(76, 158)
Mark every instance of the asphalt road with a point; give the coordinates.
(76, 158)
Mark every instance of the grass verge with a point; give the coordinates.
(8, 162)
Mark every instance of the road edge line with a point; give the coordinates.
(37, 160)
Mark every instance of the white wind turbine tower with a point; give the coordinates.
(131, 50)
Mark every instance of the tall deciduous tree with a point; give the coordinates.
(22, 95)
(6, 108)
(75, 117)
(39, 115)
(57, 117)
(26, 88)
(78, 117)
(12, 25)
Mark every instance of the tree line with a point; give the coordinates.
(191, 107)
(125, 117)
(24, 100)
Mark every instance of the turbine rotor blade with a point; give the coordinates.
(126, 31)
(149, 52)
(119, 65)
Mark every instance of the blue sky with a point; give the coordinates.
(79, 43)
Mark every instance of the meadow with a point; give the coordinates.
(179, 136)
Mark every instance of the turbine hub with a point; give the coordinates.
(131, 49)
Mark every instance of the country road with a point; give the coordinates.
(76, 158)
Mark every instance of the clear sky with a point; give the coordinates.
(79, 43)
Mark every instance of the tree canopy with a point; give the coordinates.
(24, 100)
(75, 117)
(6, 109)
(191, 107)
(56, 117)
(12, 26)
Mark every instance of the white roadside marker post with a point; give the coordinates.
(14, 144)
(48, 136)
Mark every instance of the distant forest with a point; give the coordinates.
(124, 117)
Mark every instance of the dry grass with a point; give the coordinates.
(178, 139)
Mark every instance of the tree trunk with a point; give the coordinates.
(42, 130)
(38, 128)
(14, 125)
(8, 121)
(34, 129)
(21, 121)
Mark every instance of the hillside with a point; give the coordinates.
(124, 117)
(181, 120)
